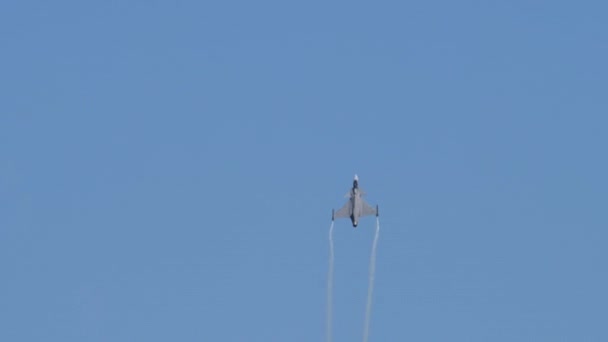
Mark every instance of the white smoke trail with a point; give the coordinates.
(370, 289)
(330, 281)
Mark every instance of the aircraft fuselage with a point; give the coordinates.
(356, 203)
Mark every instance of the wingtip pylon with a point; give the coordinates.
(377, 211)
(332, 214)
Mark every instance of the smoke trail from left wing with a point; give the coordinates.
(370, 289)
(330, 281)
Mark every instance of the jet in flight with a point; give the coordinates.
(356, 205)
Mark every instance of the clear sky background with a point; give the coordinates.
(168, 169)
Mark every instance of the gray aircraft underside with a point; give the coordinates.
(355, 207)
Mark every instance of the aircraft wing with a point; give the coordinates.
(345, 211)
(367, 209)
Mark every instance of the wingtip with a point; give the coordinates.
(377, 211)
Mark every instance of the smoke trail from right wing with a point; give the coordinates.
(330, 281)
(370, 289)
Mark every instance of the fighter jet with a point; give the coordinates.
(356, 205)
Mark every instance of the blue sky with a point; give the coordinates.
(167, 170)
